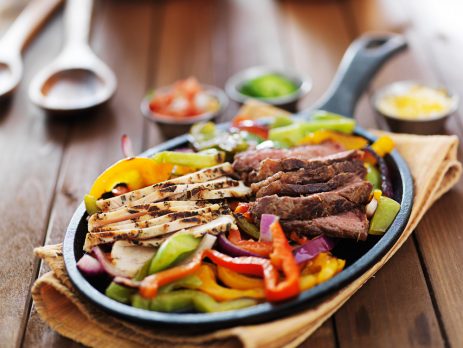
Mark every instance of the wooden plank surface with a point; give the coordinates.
(120, 37)
(154, 43)
(31, 154)
(433, 33)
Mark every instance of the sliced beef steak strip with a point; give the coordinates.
(270, 167)
(318, 174)
(282, 188)
(248, 161)
(351, 224)
(342, 199)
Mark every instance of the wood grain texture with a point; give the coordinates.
(120, 37)
(30, 158)
(392, 309)
(433, 34)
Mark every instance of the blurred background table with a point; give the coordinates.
(48, 164)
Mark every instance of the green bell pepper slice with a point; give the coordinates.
(291, 134)
(373, 176)
(281, 121)
(385, 214)
(247, 226)
(174, 248)
(203, 159)
(90, 205)
(182, 300)
(322, 115)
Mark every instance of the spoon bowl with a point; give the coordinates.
(16, 38)
(77, 79)
(61, 87)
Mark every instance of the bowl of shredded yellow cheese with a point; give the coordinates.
(414, 107)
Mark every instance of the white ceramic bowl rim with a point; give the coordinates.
(157, 117)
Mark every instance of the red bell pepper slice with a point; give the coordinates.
(260, 248)
(282, 257)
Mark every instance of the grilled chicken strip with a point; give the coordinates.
(154, 236)
(170, 217)
(196, 177)
(222, 224)
(147, 211)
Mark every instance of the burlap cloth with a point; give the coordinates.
(432, 161)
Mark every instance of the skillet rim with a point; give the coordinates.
(256, 314)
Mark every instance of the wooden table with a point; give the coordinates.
(48, 164)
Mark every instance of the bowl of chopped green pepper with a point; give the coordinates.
(273, 86)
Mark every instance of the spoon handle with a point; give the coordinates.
(28, 23)
(78, 17)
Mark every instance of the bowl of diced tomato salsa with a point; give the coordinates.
(184, 102)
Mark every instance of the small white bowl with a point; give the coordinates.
(287, 102)
(424, 125)
(189, 120)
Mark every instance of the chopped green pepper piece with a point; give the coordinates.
(206, 130)
(281, 121)
(343, 125)
(373, 176)
(182, 300)
(291, 134)
(321, 115)
(385, 214)
(203, 159)
(269, 86)
(247, 227)
(140, 302)
(172, 249)
(90, 205)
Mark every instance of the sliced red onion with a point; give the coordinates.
(231, 249)
(108, 267)
(265, 221)
(90, 266)
(312, 248)
(126, 146)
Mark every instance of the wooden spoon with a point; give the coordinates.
(77, 79)
(16, 38)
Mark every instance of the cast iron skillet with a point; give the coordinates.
(361, 61)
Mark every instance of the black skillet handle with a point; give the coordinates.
(360, 63)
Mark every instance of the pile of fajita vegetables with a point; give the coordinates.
(176, 232)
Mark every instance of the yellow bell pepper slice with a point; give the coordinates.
(209, 286)
(383, 145)
(322, 268)
(238, 281)
(349, 142)
(135, 172)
